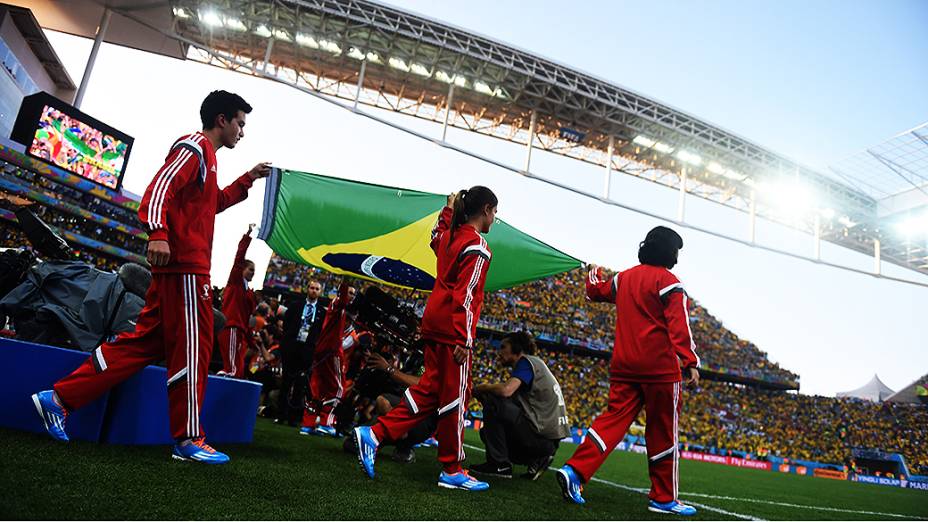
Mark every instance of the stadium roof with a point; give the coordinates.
(376, 55)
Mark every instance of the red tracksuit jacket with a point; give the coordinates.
(652, 328)
(181, 203)
(238, 301)
(452, 311)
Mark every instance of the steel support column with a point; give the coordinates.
(531, 141)
(448, 102)
(357, 95)
(267, 54)
(753, 217)
(608, 181)
(92, 59)
(876, 257)
(818, 238)
(681, 209)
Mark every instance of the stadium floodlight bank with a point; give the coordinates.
(376, 55)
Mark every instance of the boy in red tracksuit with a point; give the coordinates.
(449, 326)
(653, 341)
(327, 377)
(238, 303)
(176, 325)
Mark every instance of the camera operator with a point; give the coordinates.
(525, 417)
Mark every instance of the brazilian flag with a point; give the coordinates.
(382, 234)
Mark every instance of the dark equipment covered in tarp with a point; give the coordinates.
(72, 303)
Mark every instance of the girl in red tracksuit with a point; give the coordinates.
(653, 343)
(449, 327)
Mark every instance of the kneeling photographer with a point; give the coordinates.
(525, 417)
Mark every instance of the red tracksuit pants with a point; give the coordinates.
(326, 387)
(176, 325)
(443, 387)
(233, 345)
(661, 402)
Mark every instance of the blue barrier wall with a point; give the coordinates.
(134, 412)
(35, 367)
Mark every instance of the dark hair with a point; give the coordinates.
(468, 203)
(521, 343)
(249, 262)
(221, 102)
(660, 247)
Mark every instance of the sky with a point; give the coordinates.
(815, 81)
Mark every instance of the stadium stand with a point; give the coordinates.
(100, 225)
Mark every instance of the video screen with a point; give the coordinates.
(75, 146)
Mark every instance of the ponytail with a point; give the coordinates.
(467, 204)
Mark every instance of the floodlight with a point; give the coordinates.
(355, 53)
(421, 70)
(689, 157)
(372, 57)
(236, 24)
(913, 226)
(790, 197)
(442, 76)
(846, 221)
(715, 168)
(663, 147)
(263, 31)
(486, 89)
(332, 47)
(211, 18)
(396, 63)
(734, 175)
(180, 13)
(643, 140)
(281, 35)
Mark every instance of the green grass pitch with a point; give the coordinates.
(286, 476)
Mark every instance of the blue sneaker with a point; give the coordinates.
(430, 443)
(570, 483)
(53, 415)
(326, 431)
(306, 430)
(198, 450)
(461, 480)
(367, 443)
(671, 508)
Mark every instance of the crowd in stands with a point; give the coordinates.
(84, 200)
(12, 237)
(757, 421)
(90, 229)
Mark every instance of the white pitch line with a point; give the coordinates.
(787, 504)
(703, 506)
(754, 500)
(639, 490)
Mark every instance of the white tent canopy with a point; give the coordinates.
(874, 391)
